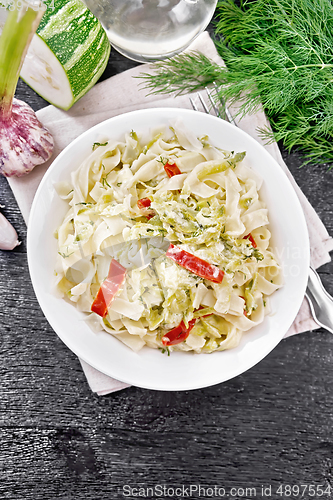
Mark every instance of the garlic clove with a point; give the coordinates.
(8, 235)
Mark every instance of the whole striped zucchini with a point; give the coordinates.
(67, 55)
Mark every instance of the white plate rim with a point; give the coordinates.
(83, 355)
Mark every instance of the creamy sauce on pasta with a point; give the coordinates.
(211, 209)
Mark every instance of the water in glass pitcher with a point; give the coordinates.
(149, 30)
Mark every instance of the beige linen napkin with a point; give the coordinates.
(120, 94)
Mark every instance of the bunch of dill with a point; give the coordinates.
(279, 55)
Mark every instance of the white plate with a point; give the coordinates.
(150, 368)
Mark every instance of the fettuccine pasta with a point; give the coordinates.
(166, 242)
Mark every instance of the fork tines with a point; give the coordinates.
(221, 112)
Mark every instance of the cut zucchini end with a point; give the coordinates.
(43, 72)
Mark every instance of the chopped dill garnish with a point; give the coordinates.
(164, 350)
(162, 160)
(105, 182)
(65, 255)
(257, 255)
(98, 144)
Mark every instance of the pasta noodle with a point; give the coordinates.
(133, 201)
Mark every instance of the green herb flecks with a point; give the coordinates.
(164, 350)
(257, 255)
(65, 255)
(105, 182)
(98, 144)
(162, 160)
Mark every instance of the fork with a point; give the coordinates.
(222, 111)
(320, 302)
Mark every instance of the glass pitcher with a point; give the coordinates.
(150, 30)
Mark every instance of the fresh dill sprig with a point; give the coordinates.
(181, 74)
(279, 55)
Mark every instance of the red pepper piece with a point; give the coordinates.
(144, 203)
(171, 169)
(178, 334)
(150, 215)
(195, 265)
(109, 288)
(250, 237)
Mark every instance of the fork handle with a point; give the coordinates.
(321, 303)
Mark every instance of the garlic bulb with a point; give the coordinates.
(24, 142)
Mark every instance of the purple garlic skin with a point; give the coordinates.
(8, 235)
(24, 142)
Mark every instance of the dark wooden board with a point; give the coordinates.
(269, 426)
